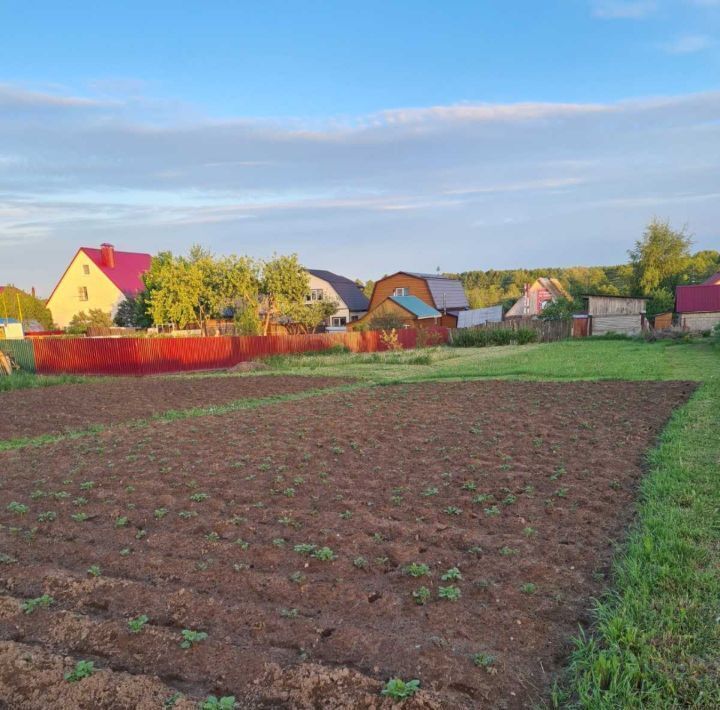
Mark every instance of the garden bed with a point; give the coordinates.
(62, 408)
(309, 541)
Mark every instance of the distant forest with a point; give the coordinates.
(487, 288)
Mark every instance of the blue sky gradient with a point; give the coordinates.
(367, 137)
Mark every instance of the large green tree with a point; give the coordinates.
(184, 290)
(284, 285)
(660, 258)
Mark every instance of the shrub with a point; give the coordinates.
(525, 336)
(501, 336)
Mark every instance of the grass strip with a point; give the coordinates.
(29, 380)
(656, 641)
(178, 414)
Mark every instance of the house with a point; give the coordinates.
(443, 296)
(97, 278)
(536, 297)
(327, 286)
(698, 307)
(713, 280)
(615, 314)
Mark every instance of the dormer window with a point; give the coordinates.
(401, 291)
(316, 294)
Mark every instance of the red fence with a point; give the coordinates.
(146, 356)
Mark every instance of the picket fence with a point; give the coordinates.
(149, 356)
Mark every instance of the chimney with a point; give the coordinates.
(32, 291)
(107, 255)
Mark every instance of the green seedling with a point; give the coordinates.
(83, 669)
(430, 491)
(121, 522)
(452, 575)
(160, 513)
(360, 562)
(417, 569)
(452, 510)
(398, 689)
(47, 516)
(325, 554)
(483, 660)
(19, 508)
(190, 637)
(42, 602)
(421, 596)
(79, 517)
(199, 497)
(450, 593)
(305, 548)
(94, 571)
(528, 588)
(212, 702)
(136, 625)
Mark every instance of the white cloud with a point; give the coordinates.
(688, 44)
(467, 186)
(624, 9)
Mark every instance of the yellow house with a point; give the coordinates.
(97, 278)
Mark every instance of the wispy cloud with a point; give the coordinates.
(623, 9)
(688, 44)
(468, 185)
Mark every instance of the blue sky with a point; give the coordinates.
(366, 136)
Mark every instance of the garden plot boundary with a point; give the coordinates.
(151, 356)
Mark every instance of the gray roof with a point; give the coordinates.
(348, 290)
(446, 292)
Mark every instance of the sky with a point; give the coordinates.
(367, 137)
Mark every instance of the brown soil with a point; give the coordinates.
(62, 408)
(513, 483)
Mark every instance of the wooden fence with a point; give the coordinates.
(146, 356)
(547, 330)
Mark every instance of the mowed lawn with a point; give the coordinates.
(656, 638)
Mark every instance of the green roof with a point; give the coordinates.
(418, 308)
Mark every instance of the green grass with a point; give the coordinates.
(582, 359)
(656, 643)
(25, 380)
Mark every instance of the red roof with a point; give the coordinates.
(713, 280)
(128, 270)
(697, 299)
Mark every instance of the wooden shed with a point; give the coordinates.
(615, 314)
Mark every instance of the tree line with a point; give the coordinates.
(658, 262)
(193, 289)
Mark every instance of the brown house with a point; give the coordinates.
(442, 295)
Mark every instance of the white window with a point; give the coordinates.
(337, 322)
(316, 294)
(82, 293)
(86, 269)
(401, 291)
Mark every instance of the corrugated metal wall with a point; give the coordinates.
(627, 324)
(146, 356)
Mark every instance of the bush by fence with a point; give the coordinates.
(146, 356)
(518, 331)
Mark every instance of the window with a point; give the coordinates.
(316, 294)
(82, 293)
(86, 269)
(338, 322)
(401, 291)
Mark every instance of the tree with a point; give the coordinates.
(132, 312)
(307, 317)
(660, 258)
(94, 318)
(284, 285)
(560, 309)
(192, 289)
(30, 308)
(386, 321)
